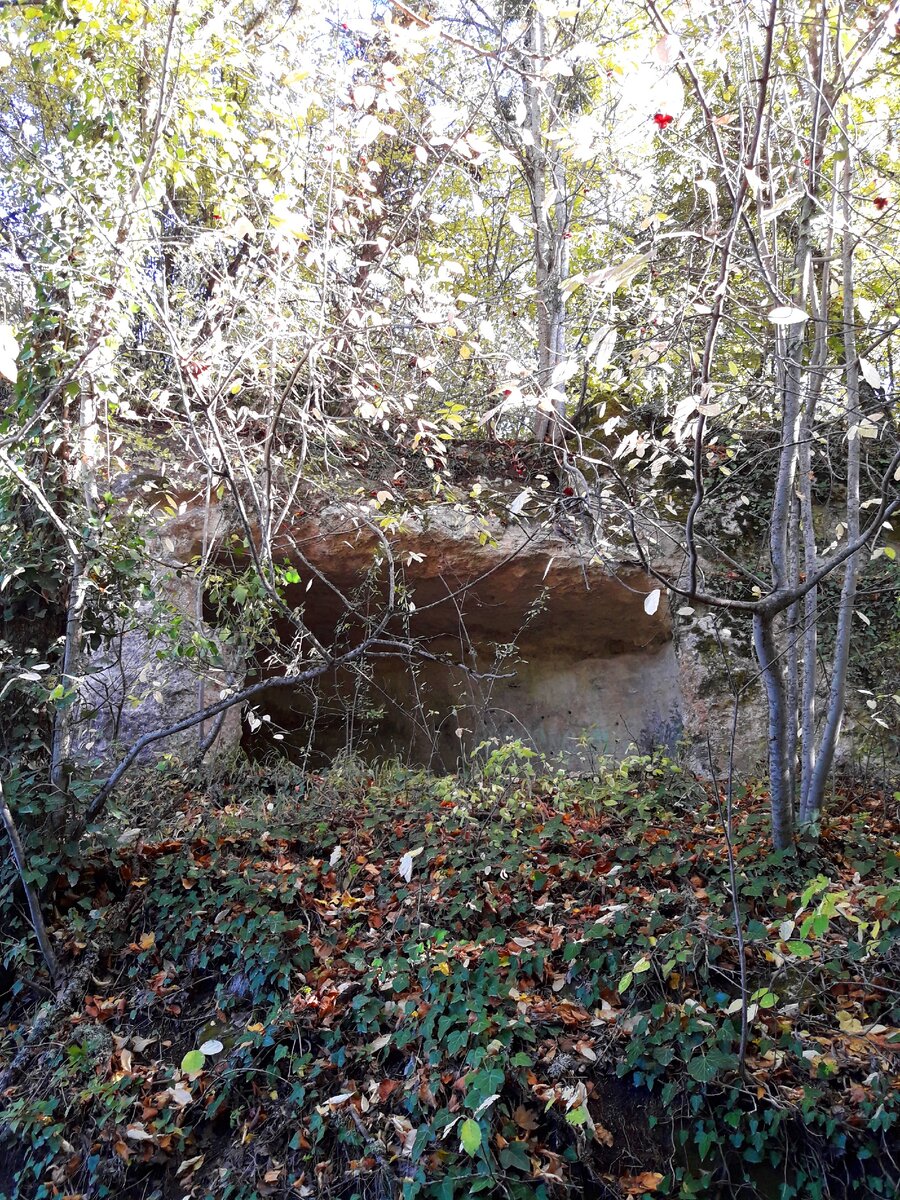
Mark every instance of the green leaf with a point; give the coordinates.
(193, 1062)
(625, 981)
(470, 1136)
(800, 949)
(577, 1116)
(702, 1069)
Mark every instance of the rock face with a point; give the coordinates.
(552, 648)
(133, 687)
(560, 652)
(524, 634)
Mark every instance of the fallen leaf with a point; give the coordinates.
(647, 1181)
(405, 868)
(138, 1133)
(525, 1118)
(586, 1050)
(603, 1135)
(190, 1164)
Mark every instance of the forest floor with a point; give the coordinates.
(381, 983)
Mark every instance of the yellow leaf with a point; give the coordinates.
(147, 941)
(847, 1023)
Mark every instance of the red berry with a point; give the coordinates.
(567, 491)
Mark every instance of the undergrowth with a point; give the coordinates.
(391, 984)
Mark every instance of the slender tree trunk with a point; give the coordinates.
(781, 796)
(810, 673)
(782, 739)
(66, 717)
(792, 648)
(780, 681)
(545, 174)
(535, 168)
(558, 226)
(834, 715)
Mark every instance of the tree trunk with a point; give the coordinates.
(780, 773)
(545, 175)
(810, 674)
(66, 717)
(813, 799)
(792, 648)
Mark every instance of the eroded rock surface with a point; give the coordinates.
(554, 647)
(538, 639)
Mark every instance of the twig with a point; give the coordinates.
(34, 908)
(727, 825)
(371, 1145)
